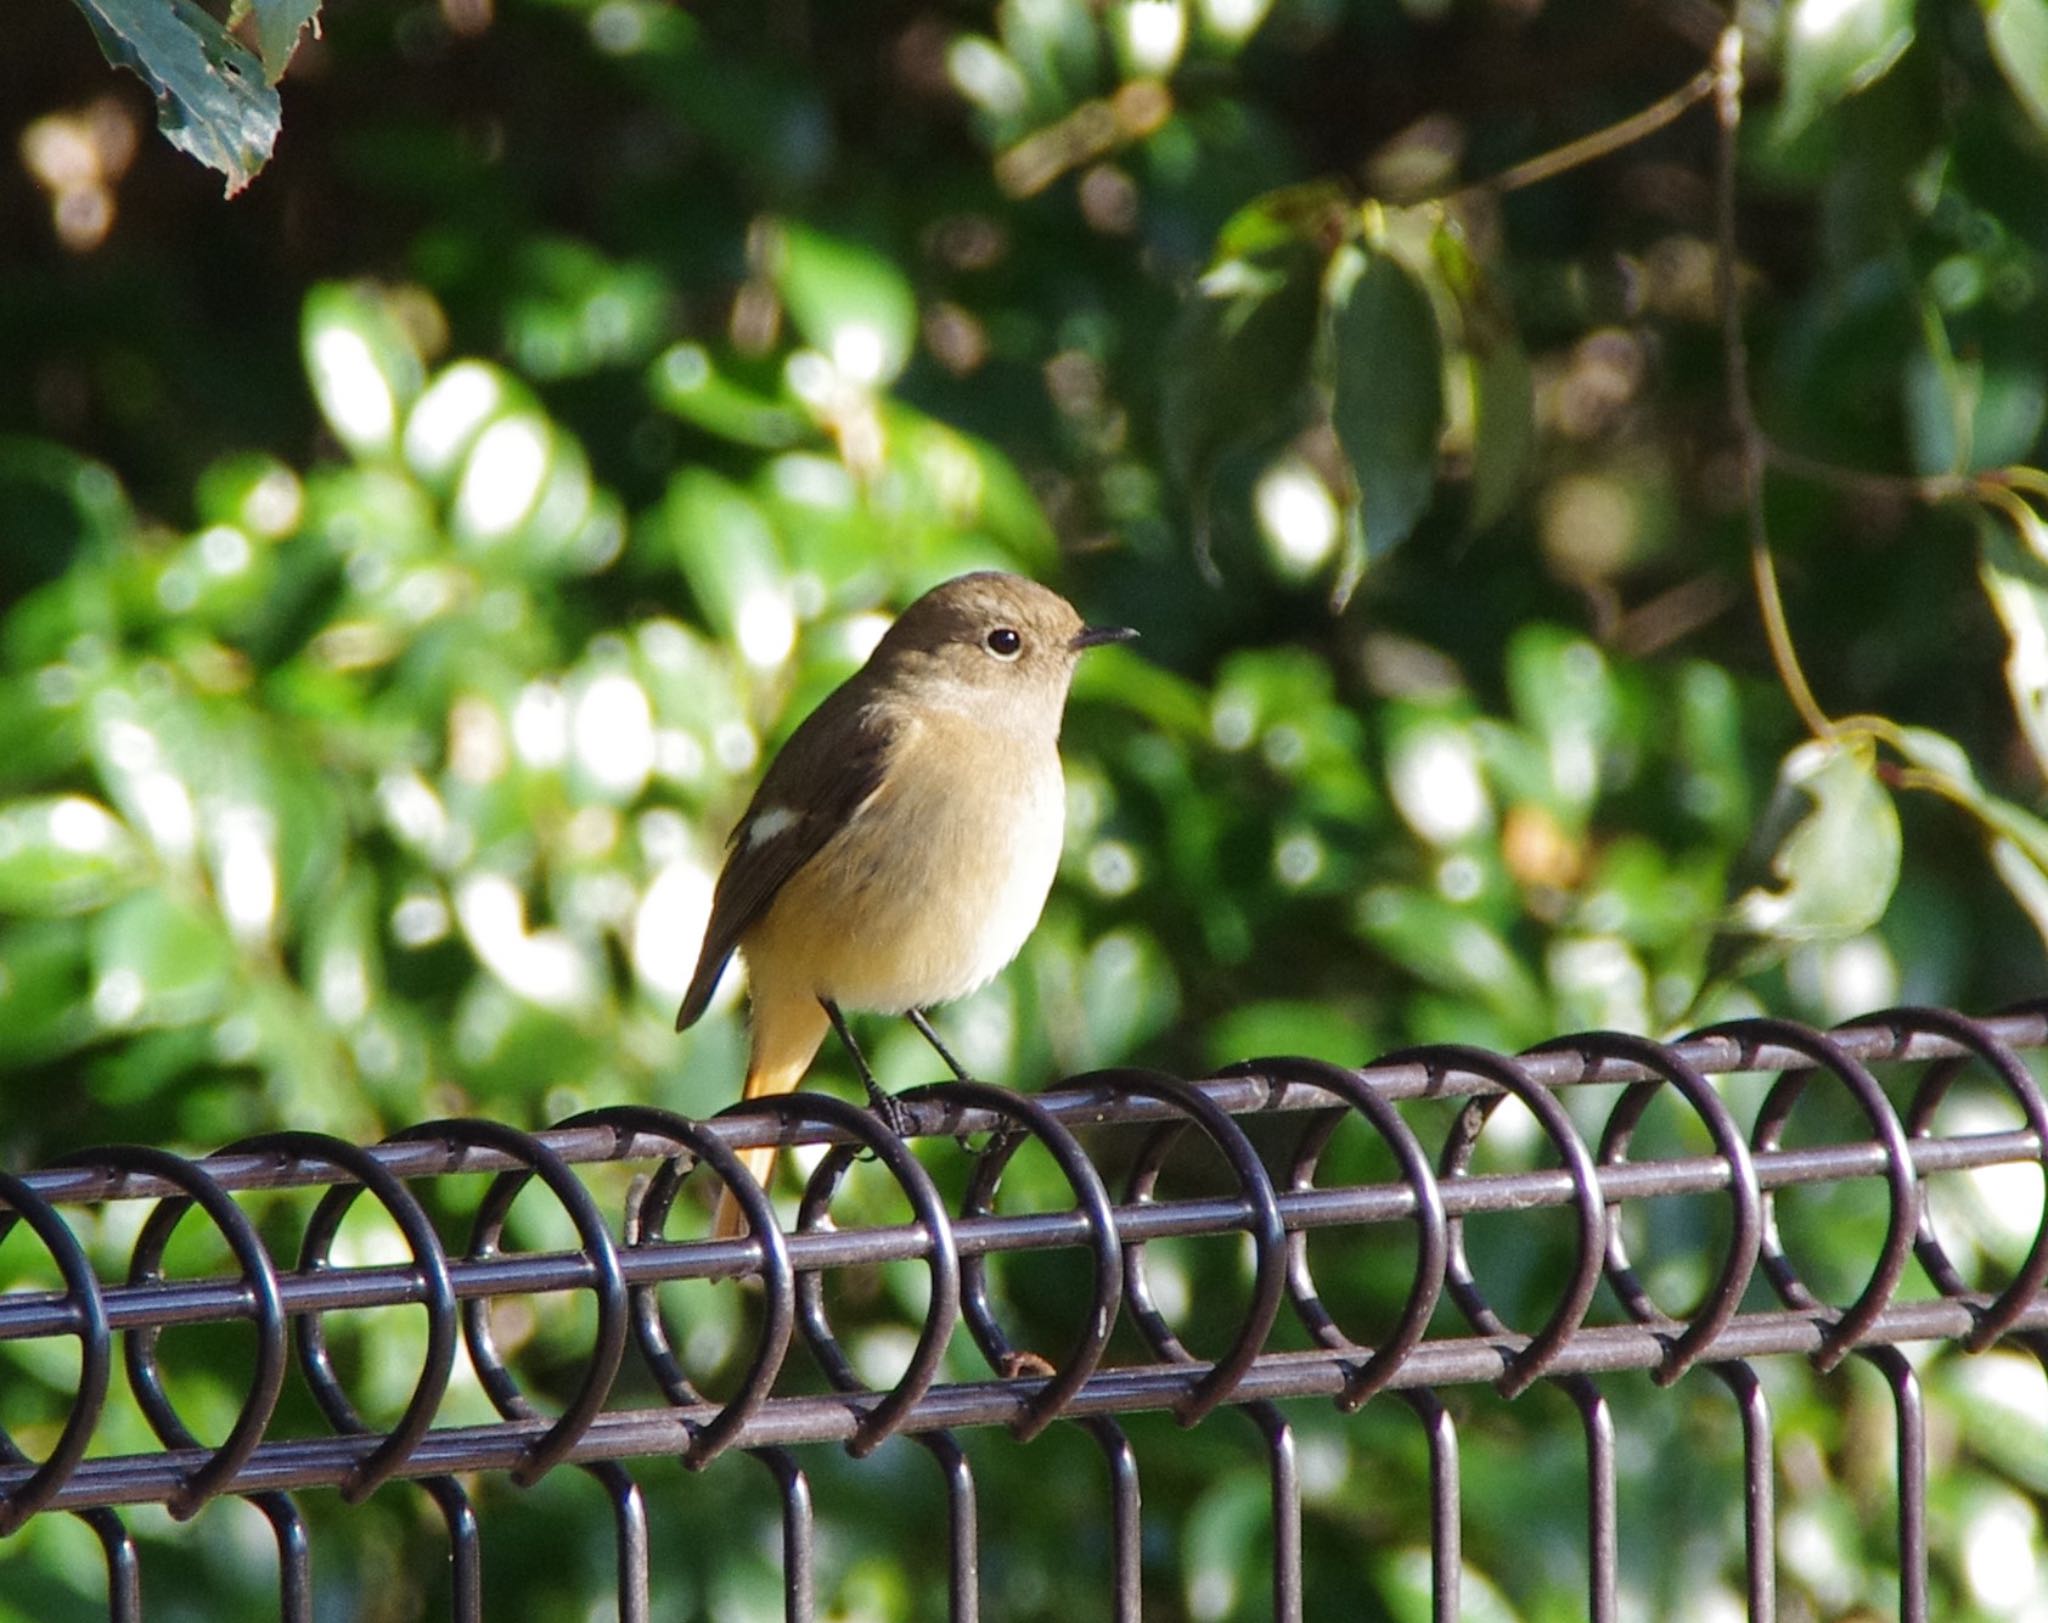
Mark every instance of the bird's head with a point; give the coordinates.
(991, 640)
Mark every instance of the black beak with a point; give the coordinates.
(1096, 636)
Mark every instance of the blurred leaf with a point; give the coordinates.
(45, 991)
(1236, 370)
(1833, 48)
(1387, 404)
(364, 369)
(213, 98)
(730, 557)
(2018, 31)
(2013, 565)
(1563, 693)
(1289, 1026)
(579, 311)
(1503, 401)
(686, 381)
(1221, 1545)
(1829, 845)
(1128, 995)
(848, 301)
(63, 854)
(1443, 945)
(158, 961)
(442, 427)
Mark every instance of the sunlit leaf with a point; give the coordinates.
(1497, 377)
(158, 960)
(63, 854)
(849, 302)
(730, 557)
(279, 23)
(1834, 48)
(2015, 577)
(2018, 31)
(1237, 364)
(1387, 404)
(213, 98)
(686, 381)
(364, 369)
(1443, 945)
(1825, 857)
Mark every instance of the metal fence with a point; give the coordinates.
(1269, 1194)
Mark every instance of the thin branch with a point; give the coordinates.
(1727, 87)
(1599, 144)
(1859, 482)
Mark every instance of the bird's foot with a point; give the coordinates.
(896, 1115)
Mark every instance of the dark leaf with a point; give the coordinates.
(2018, 31)
(1388, 401)
(212, 99)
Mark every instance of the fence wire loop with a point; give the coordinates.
(1589, 1206)
(95, 1352)
(1432, 1235)
(430, 1262)
(1262, 1222)
(1745, 1240)
(1994, 1319)
(608, 1284)
(1025, 1120)
(265, 1304)
(1902, 1181)
(1274, 1124)
(868, 1131)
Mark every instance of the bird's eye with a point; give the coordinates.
(1004, 643)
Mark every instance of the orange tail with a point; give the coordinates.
(787, 1032)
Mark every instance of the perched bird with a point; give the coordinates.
(900, 848)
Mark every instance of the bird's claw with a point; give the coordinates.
(895, 1114)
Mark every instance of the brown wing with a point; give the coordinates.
(829, 768)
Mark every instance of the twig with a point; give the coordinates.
(1549, 165)
(1727, 86)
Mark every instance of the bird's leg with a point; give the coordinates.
(924, 1029)
(886, 1105)
(1007, 1132)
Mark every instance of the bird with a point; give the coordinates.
(901, 845)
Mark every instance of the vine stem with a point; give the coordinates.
(1549, 165)
(1727, 87)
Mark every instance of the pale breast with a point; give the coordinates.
(933, 886)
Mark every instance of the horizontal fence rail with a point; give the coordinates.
(1266, 1124)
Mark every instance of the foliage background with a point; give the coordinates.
(407, 565)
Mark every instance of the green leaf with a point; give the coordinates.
(687, 382)
(1388, 401)
(1444, 945)
(212, 97)
(2018, 839)
(1829, 842)
(158, 960)
(279, 23)
(1834, 48)
(848, 301)
(730, 557)
(2018, 31)
(63, 854)
(364, 369)
(2015, 579)
(1238, 360)
(1497, 377)
(44, 991)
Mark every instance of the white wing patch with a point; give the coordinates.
(769, 822)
